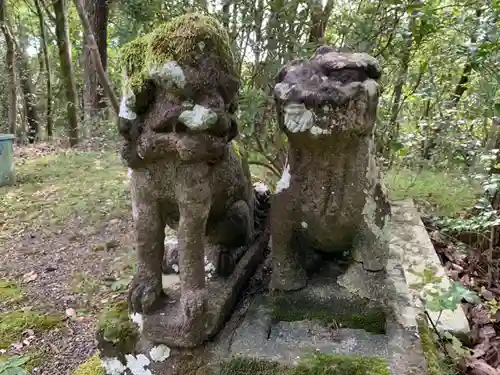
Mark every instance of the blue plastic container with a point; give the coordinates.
(7, 175)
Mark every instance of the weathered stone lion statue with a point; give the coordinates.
(177, 122)
(330, 199)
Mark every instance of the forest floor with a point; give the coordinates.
(67, 252)
(67, 247)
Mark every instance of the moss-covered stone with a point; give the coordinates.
(184, 39)
(13, 323)
(437, 364)
(115, 327)
(91, 366)
(357, 314)
(321, 364)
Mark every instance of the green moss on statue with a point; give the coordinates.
(116, 327)
(183, 39)
(321, 364)
(132, 56)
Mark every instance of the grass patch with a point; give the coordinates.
(53, 188)
(441, 193)
(321, 364)
(13, 324)
(10, 292)
(91, 366)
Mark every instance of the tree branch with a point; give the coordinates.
(96, 57)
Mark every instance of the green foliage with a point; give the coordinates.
(438, 298)
(13, 366)
(440, 192)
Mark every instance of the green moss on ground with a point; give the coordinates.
(47, 196)
(13, 324)
(91, 366)
(437, 364)
(341, 313)
(183, 39)
(10, 292)
(115, 326)
(321, 364)
(436, 192)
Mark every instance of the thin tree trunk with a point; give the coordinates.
(96, 58)
(63, 43)
(94, 98)
(319, 20)
(26, 80)
(393, 126)
(11, 70)
(48, 73)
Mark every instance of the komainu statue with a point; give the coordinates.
(330, 198)
(177, 122)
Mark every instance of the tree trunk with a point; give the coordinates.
(63, 43)
(48, 73)
(94, 99)
(393, 126)
(11, 70)
(26, 80)
(96, 59)
(319, 19)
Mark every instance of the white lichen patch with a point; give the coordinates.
(135, 210)
(209, 268)
(171, 243)
(284, 182)
(298, 118)
(168, 75)
(137, 365)
(125, 111)
(371, 87)
(282, 90)
(112, 366)
(260, 187)
(137, 319)
(304, 225)
(316, 130)
(199, 118)
(159, 353)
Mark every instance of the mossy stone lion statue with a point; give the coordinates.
(176, 118)
(330, 199)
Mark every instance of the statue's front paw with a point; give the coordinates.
(288, 278)
(144, 293)
(193, 305)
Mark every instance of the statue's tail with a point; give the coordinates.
(262, 204)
